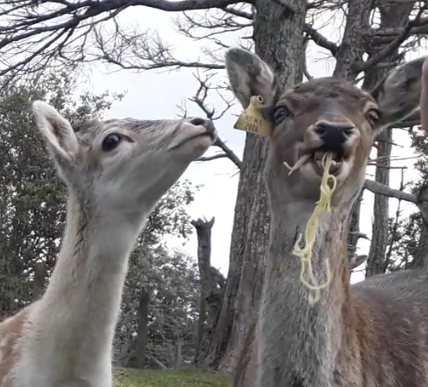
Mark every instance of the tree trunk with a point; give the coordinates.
(203, 230)
(39, 280)
(351, 50)
(278, 36)
(391, 16)
(376, 261)
(353, 45)
(142, 337)
(354, 226)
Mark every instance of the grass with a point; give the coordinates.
(177, 378)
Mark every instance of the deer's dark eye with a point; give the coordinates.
(280, 113)
(373, 115)
(111, 142)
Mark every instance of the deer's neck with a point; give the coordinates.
(76, 318)
(295, 337)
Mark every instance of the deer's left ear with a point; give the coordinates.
(398, 94)
(56, 130)
(250, 76)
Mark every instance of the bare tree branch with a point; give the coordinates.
(321, 40)
(61, 33)
(305, 65)
(239, 13)
(37, 35)
(358, 234)
(186, 5)
(229, 153)
(357, 260)
(200, 99)
(214, 157)
(387, 35)
(384, 190)
(135, 50)
(413, 120)
(398, 41)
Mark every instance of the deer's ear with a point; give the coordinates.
(56, 130)
(249, 76)
(398, 94)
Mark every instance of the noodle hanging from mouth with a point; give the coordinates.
(305, 252)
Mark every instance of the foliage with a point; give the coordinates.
(410, 228)
(406, 242)
(176, 378)
(170, 215)
(169, 277)
(171, 280)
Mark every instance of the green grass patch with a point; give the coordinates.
(175, 378)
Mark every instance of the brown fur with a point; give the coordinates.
(373, 334)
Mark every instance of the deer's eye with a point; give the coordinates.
(373, 115)
(111, 142)
(280, 113)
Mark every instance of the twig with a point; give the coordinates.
(320, 40)
(214, 157)
(232, 156)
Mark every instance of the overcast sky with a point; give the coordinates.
(156, 94)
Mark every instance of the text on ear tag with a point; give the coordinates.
(251, 120)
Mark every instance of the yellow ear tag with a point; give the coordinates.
(251, 120)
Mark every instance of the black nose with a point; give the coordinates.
(334, 135)
(207, 124)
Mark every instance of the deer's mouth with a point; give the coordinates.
(314, 158)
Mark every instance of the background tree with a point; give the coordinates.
(159, 310)
(160, 300)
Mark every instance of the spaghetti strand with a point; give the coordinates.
(305, 252)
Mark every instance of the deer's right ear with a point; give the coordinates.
(249, 75)
(56, 130)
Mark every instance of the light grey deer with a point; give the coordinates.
(116, 172)
(374, 333)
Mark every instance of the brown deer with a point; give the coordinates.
(116, 172)
(374, 333)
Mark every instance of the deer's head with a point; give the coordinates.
(123, 165)
(319, 116)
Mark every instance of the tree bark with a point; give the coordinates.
(352, 47)
(354, 226)
(376, 261)
(278, 37)
(351, 50)
(203, 231)
(39, 280)
(391, 16)
(142, 337)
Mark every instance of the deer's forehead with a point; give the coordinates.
(327, 93)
